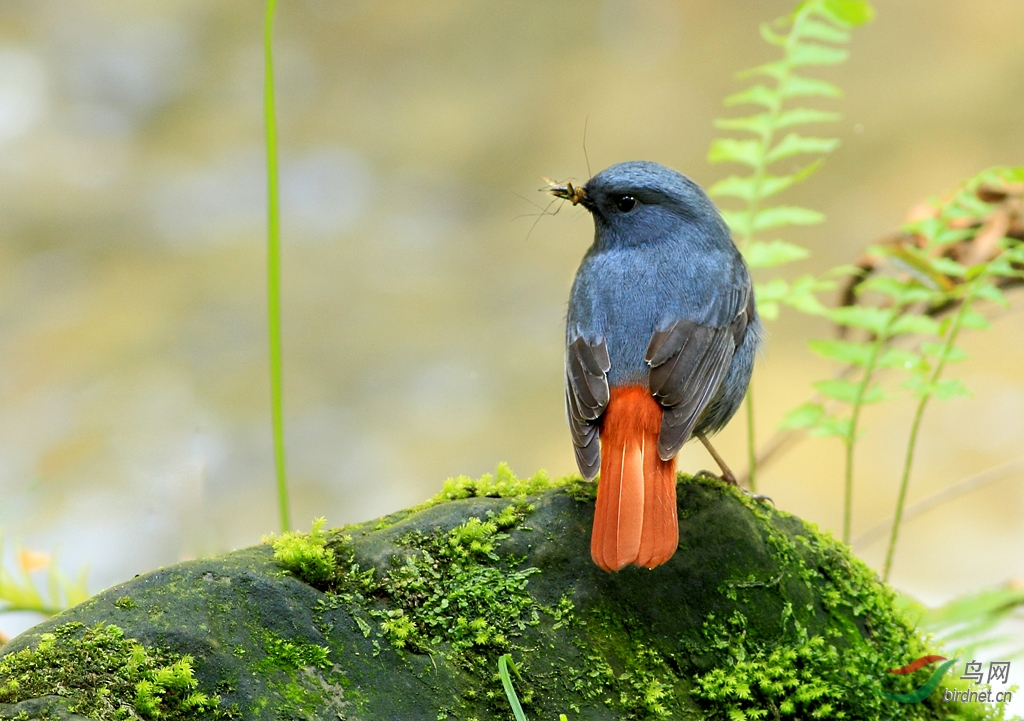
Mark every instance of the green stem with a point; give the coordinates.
(751, 446)
(274, 267)
(760, 169)
(851, 438)
(908, 461)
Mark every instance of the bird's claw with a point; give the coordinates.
(760, 498)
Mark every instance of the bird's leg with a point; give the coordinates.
(727, 475)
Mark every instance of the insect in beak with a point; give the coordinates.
(568, 191)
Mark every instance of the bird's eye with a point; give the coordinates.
(625, 203)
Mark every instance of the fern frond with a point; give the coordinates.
(811, 36)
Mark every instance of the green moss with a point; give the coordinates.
(452, 592)
(306, 554)
(503, 483)
(302, 673)
(452, 589)
(839, 674)
(106, 676)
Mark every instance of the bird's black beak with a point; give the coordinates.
(574, 194)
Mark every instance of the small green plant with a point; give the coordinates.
(812, 35)
(19, 590)
(939, 265)
(975, 284)
(504, 663)
(970, 622)
(306, 554)
(274, 267)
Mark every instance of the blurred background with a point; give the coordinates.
(424, 298)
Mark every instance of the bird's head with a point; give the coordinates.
(640, 202)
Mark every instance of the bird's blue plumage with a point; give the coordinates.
(661, 256)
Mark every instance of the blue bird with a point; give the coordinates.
(661, 336)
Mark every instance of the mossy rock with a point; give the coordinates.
(758, 615)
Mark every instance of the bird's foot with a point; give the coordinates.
(731, 480)
(760, 498)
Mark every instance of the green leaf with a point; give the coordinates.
(734, 187)
(989, 292)
(776, 69)
(786, 215)
(903, 292)
(976, 321)
(737, 220)
(900, 358)
(874, 320)
(831, 426)
(755, 95)
(770, 36)
(775, 289)
(767, 309)
(749, 189)
(948, 266)
(943, 389)
(796, 86)
(844, 351)
(953, 355)
(801, 295)
(913, 323)
(794, 144)
(846, 391)
(850, 12)
(758, 124)
(799, 116)
(760, 254)
(953, 235)
(730, 150)
(1003, 265)
(803, 416)
(821, 31)
(816, 54)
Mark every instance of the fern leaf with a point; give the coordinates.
(754, 95)
(799, 116)
(751, 187)
(760, 254)
(816, 54)
(730, 150)
(823, 31)
(797, 86)
(795, 144)
(785, 215)
(757, 124)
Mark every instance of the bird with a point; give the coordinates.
(661, 336)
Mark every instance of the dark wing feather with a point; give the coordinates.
(586, 397)
(688, 361)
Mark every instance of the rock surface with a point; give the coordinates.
(406, 618)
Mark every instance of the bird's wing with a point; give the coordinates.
(688, 361)
(586, 397)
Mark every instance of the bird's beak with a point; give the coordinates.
(574, 194)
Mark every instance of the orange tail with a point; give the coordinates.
(635, 518)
